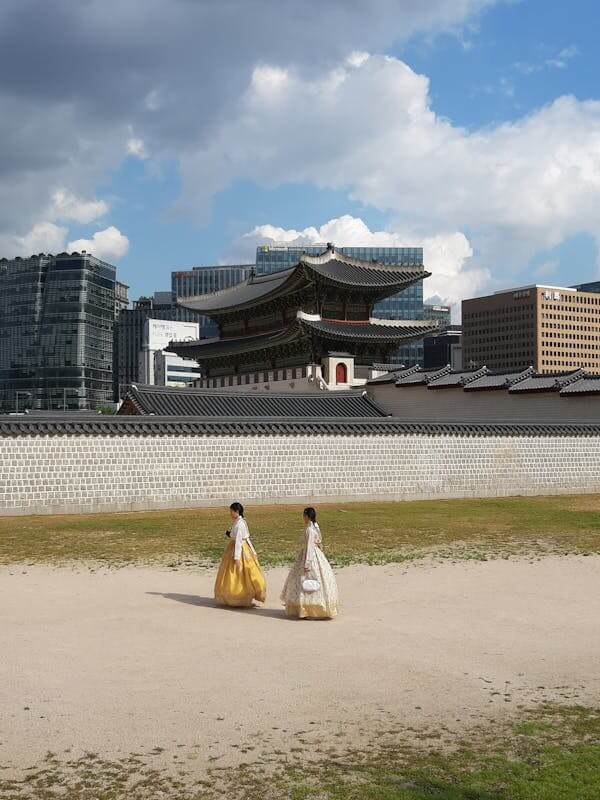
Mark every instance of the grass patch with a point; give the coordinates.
(552, 753)
(372, 533)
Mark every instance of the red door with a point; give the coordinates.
(341, 374)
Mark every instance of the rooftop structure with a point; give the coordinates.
(406, 304)
(300, 315)
(209, 403)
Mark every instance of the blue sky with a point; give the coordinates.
(222, 155)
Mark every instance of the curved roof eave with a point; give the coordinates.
(248, 293)
(375, 330)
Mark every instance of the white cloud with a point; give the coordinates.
(369, 129)
(65, 205)
(109, 244)
(559, 60)
(137, 148)
(447, 255)
(43, 237)
(169, 71)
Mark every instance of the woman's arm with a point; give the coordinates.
(311, 536)
(238, 531)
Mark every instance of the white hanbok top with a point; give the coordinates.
(239, 533)
(312, 533)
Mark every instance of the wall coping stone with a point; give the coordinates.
(118, 426)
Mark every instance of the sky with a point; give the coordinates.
(165, 134)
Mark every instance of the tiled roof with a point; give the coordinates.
(498, 380)
(460, 378)
(415, 376)
(387, 377)
(249, 291)
(567, 384)
(247, 404)
(545, 383)
(374, 330)
(387, 367)
(200, 426)
(590, 384)
(347, 271)
(207, 348)
(331, 266)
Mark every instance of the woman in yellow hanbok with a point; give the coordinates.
(240, 579)
(310, 590)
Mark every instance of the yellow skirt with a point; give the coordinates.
(233, 588)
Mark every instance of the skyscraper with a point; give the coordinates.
(204, 280)
(57, 317)
(407, 304)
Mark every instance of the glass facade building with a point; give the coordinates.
(443, 314)
(404, 305)
(204, 280)
(592, 286)
(57, 316)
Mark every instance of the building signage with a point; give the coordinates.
(162, 331)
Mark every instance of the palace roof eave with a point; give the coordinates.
(375, 278)
(374, 331)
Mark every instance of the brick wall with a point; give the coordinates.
(83, 473)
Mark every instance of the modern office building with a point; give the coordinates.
(551, 328)
(157, 335)
(443, 349)
(129, 335)
(591, 286)
(442, 313)
(121, 297)
(205, 280)
(407, 304)
(175, 372)
(57, 315)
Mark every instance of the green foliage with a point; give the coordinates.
(107, 410)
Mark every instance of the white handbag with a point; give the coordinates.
(310, 585)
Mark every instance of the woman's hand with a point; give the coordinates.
(238, 565)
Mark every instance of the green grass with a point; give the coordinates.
(356, 532)
(552, 753)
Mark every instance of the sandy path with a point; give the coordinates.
(131, 660)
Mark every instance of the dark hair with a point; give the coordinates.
(237, 507)
(311, 513)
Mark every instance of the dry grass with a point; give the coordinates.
(356, 532)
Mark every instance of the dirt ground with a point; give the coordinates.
(139, 660)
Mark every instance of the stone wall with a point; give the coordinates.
(70, 473)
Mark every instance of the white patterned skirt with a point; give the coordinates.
(322, 604)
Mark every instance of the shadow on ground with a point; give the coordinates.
(209, 602)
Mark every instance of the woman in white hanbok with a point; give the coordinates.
(310, 590)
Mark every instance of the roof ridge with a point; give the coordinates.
(526, 373)
(439, 374)
(572, 377)
(477, 373)
(220, 392)
(353, 261)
